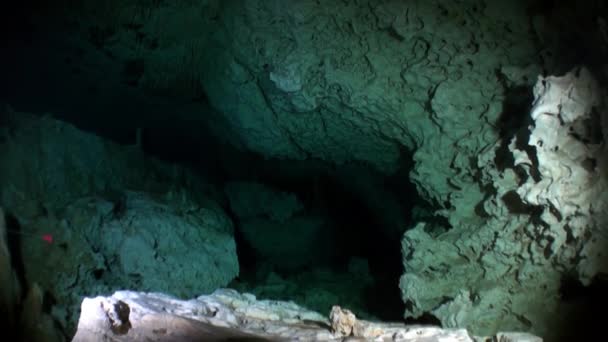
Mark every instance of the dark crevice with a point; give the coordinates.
(354, 232)
(582, 308)
(513, 121)
(14, 243)
(516, 205)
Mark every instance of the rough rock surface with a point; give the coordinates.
(339, 81)
(228, 315)
(368, 81)
(116, 218)
(545, 219)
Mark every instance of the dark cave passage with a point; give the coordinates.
(353, 232)
(354, 235)
(271, 149)
(359, 234)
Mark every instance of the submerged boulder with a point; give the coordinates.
(88, 216)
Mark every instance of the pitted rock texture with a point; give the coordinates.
(570, 138)
(368, 81)
(545, 219)
(340, 81)
(227, 315)
(117, 218)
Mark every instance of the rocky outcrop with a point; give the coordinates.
(544, 220)
(568, 180)
(90, 216)
(227, 315)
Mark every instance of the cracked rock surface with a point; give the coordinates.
(545, 219)
(228, 315)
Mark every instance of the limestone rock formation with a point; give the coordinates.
(10, 291)
(544, 220)
(375, 82)
(90, 216)
(227, 315)
(23, 316)
(149, 245)
(339, 81)
(570, 139)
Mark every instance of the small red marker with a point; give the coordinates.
(48, 238)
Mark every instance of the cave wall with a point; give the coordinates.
(339, 81)
(367, 81)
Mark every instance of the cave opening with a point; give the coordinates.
(355, 243)
(315, 232)
(359, 267)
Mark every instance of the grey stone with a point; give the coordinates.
(229, 315)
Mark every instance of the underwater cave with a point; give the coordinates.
(404, 160)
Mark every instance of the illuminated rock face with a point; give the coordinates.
(338, 81)
(368, 81)
(227, 315)
(545, 220)
(569, 137)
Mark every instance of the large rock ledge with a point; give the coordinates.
(227, 315)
